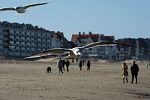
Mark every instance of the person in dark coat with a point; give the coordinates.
(60, 65)
(63, 67)
(67, 65)
(88, 65)
(80, 64)
(134, 71)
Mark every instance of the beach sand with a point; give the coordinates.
(29, 81)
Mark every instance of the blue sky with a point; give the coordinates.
(121, 18)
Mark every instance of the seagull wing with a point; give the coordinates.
(55, 51)
(7, 9)
(95, 44)
(37, 4)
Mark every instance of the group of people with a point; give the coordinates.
(61, 65)
(134, 68)
(81, 63)
(134, 72)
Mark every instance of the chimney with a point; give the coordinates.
(90, 33)
(79, 33)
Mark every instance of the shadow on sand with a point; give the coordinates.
(139, 95)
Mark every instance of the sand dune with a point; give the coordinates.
(29, 81)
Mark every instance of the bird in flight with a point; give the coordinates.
(22, 9)
(75, 52)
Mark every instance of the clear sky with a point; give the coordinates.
(121, 18)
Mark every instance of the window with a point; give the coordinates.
(23, 38)
(28, 43)
(28, 33)
(32, 44)
(39, 34)
(32, 49)
(22, 43)
(39, 39)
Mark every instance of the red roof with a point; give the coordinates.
(76, 37)
(94, 37)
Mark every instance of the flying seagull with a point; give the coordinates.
(75, 52)
(22, 9)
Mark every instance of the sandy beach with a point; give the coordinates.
(29, 81)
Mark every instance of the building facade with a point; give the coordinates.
(81, 39)
(21, 40)
(142, 50)
(125, 49)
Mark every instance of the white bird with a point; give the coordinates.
(75, 52)
(22, 9)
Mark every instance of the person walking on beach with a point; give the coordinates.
(60, 64)
(134, 71)
(88, 65)
(80, 64)
(125, 72)
(63, 67)
(147, 64)
(67, 65)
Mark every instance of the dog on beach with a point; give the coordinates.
(49, 70)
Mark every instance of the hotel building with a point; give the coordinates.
(21, 40)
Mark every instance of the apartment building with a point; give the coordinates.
(142, 50)
(21, 40)
(81, 39)
(119, 52)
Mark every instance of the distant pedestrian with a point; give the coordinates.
(88, 65)
(134, 71)
(80, 64)
(147, 64)
(60, 65)
(67, 65)
(72, 60)
(76, 60)
(125, 72)
(63, 67)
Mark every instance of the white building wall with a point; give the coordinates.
(24, 42)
